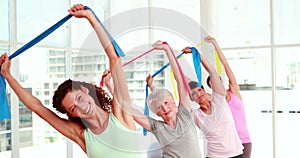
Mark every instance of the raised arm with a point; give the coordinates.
(183, 93)
(233, 85)
(216, 83)
(149, 81)
(79, 11)
(67, 128)
(121, 97)
(107, 76)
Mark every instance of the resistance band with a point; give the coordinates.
(187, 87)
(218, 63)
(5, 111)
(173, 84)
(103, 76)
(173, 81)
(197, 66)
(146, 109)
(138, 57)
(197, 69)
(114, 43)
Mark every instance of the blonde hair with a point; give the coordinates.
(157, 95)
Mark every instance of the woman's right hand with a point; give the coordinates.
(149, 80)
(5, 64)
(186, 50)
(209, 39)
(2, 59)
(78, 10)
(107, 75)
(160, 45)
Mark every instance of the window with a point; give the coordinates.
(46, 85)
(32, 22)
(4, 31)
(246, 24)
(47, 102)
(129, 75)
(288, 88)
(284, 24)
(54, 85)
(254, 47)
(46, 93)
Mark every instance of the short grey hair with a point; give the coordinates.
(157, 95)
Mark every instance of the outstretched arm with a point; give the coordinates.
(67, 128)
(183, 93)
(233, 85)
(121, 98)
(141, 119)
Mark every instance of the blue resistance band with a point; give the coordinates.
(4, 107)
(114, 43)
(197, 66)
(146, 109)
(40, 37)
(5, 111)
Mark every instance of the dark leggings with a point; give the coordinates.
(247, 150)
(239, 156)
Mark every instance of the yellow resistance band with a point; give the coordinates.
(173, 80)
(218, 63)
(218, 68)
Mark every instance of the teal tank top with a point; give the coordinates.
(115, 142)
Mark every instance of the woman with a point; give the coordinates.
(234, 100)
(176, 132)
(99, 125)
(213, 117)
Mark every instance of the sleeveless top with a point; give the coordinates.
(238, 112)
(115, 142)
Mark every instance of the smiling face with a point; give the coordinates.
(198, 95)
(162, 103)
(79, 103)
(166, 108)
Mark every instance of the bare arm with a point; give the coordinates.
(121, 97)
(67, 128)
(107, 77)
(139, 117)
(149, 81)
(183, 93)
(233, 85)
(216, 83)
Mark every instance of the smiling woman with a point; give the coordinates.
(76, 98)
(177, 128)
(95, 120)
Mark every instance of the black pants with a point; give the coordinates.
(239, 156)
